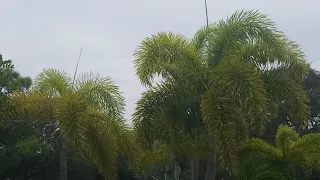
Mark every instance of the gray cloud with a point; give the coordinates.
(39, 34)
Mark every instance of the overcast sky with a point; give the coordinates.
(39, 34)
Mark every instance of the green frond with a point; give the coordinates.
(163, 52)
(100, 144)
(284, 91)
(126, 140)
(52, 82)
(254, 169)
(285, 137)
(305, 152)
(200, 39)
(102, 93)
(179, 141)
(160, 155)
(253, 36)
(239, 27)
(32, 106)
(245, 85)
(266, 57)
(222, 116)
(154, 103)
(68, 111)
(259, 148)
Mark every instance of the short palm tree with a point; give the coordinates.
(253, 169)
(89, 114)
(290, 152)
(239, 71)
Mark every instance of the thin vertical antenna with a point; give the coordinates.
(75, 72)
(207, 18)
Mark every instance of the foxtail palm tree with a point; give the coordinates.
(89, 114)
(290, 151)
(239, 70)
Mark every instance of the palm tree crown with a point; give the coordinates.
(232, 69)
(89, 113)
(289, 148)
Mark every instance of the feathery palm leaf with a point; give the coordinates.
(253, 169)
(245, 85)
(32, 106)
(284, 90)
(101, 92)
(154, 103)
(165, 53)
(222, 117)
(52, 82)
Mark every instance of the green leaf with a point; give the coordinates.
(242, 82)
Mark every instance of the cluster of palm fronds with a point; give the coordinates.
(222, 85)
(88, 112)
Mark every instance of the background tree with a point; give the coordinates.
(22, 154)
(312, 87)
(10, 81)
(240, 70)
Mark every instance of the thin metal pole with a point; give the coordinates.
(75, 72)
(207, 18)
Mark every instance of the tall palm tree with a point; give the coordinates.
(239, 70)
(89, 114)
(290, 151)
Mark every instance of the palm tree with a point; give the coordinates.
(253, 169)
(89, 114)
(239, 71)
(290, 152)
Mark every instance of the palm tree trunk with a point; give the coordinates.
(211, 162)
(176, 174)
(195, 161)
(64, 162)
(195, 169)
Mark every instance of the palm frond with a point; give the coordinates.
(239, 27)
(52, 82)
(100, 144)
(200, 39)
(305, 152)
(101, 92)
(266, 57)
(253, 169)
(285, 91)
(154, 103)
(222, 116)
(32, 106)
(160, 155)
(285, 137)
(68, 111)
(163, 52)
(126, 140)
(253, 35)
(259, 148)
(245, 85)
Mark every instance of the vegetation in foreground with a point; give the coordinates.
(237, 101)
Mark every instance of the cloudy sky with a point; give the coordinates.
(39, 34)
